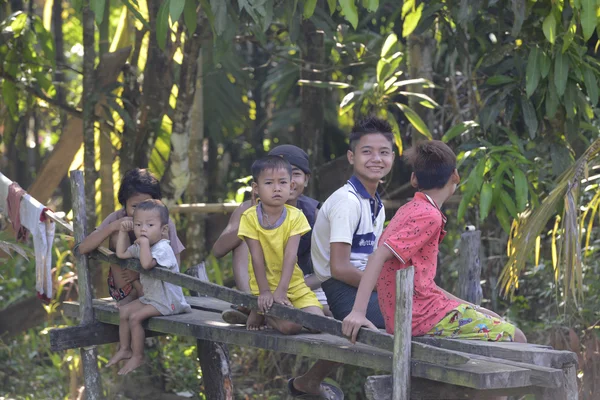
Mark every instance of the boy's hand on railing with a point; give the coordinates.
(280, 297)
(265, 300)
(353, 322)
(126, 224)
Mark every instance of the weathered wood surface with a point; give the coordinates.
(478, 374)
(89, 357)
(213, 356)
(469, 267)
(319, 323)
(380, 388)
(521, 352)
(93, 334)
(402, 333)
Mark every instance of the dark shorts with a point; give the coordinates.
(341, 296)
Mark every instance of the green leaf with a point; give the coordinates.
(134, 10)
(350, 12)
(388, 66)
(10, 98)
(589, 18)
(498, 80)
(323, 84)
(551, 100)
(412, 20)
(549, 28)
(521, 190)
(415, 120)
(473, 185)
(533, 71)
(348, 102)
(503, 217)
(45, 40)
(519, 7)
(485, 201)
(190, 16)
(175, 9)
(121, 111)
(390, 41)
(309, 8)
(458, 130)
(591, 85)
(509, 203)
(18, 24)
(219, 10)
(544, 64)
(561, 73)
(371, 5)
(530, 117)
(332, 5)
(97, 7)
(570, 35)
(162, 24)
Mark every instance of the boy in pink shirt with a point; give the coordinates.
(412, 238)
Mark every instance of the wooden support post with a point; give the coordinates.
(403, 333)
(89, 355)
(213, 356)
(469, 272)
(568, 389)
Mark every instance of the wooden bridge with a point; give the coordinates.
(422, 368)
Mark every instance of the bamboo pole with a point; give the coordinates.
(402, 333)
(89, 356)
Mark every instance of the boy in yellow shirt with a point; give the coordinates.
(272, 231)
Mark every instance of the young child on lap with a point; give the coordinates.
(137, 185)
(149, 225)
(272, 231)
(412, 238)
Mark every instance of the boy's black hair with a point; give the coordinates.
(433, 163)
(154, 205)
(138, 181)
(270, 163)
(370, 125)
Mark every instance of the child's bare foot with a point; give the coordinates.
(255, 321)
(119, 355)
(133, 363)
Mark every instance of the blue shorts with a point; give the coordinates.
(341, 296)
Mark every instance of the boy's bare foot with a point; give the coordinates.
(255, 321)
(119, 355)
(133, 363)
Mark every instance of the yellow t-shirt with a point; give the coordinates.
(273, 242)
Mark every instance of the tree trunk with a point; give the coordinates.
(420, 65)
(59, 56)
(196, 192)
(156, 90)
(177, 176)
(312, 99)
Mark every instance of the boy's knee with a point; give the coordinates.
(520, 336)
(289, 328)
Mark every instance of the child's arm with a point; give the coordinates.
(146, 259)
(229, 240)
(357, 318)
(137, 285)
(341, 267)
(123, 241)
(265, 298)
(96, 238)
(289, 262)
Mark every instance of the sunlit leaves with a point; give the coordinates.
(350, 12)
(458, 130)
(549, 28)
(415, 120)
(412, 16)
(309, 8)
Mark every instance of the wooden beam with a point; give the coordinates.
(469, 267)
(478, 374)
(93, 334)
(318, 323)
(380, 388)
(403, 333)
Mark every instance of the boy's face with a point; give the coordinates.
(133, 201)
(372, 157)
(300, 180)
(147, 223)
(274, 186)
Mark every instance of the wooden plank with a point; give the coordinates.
(319, 323)
(93, 334)
(208, 304)
(469, 267)
(89, 356)
(478, 374)
(521, 352)
(402, 333)
(380, 388)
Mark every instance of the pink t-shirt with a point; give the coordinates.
(414, 235)
(175, 242)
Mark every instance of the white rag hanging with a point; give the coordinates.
(42, 230)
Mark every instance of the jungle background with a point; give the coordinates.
(196, 90)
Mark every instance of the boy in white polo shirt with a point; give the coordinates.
(351, 220)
